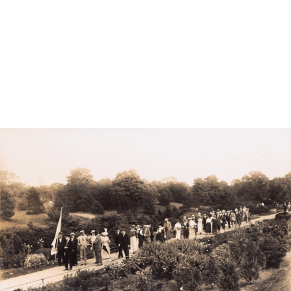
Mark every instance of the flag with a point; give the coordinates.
(54, 248)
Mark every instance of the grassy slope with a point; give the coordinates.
(21, 219)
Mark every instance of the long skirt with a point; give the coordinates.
(199, 227)
(178, 233)
(133, 244)
(191, 233)
(105, 253)
(208, 228)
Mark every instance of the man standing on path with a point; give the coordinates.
(167, 229)
(116, 240)
(75, 249)
(60, 247)
(68, 248)
(124, 242)
(97, 248)
(82, 243)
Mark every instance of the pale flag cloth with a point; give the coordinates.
(54, 247)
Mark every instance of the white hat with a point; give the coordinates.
(105, 232)
(92, 231)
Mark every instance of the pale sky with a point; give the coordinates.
(44, 156)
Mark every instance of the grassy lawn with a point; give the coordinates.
(21, 219)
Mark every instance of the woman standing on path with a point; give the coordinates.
(133, 239)
(177, 228)
(199, 224)
(192, 228)
(208, 225)
(105, 244)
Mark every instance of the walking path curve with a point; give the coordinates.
(57, 274)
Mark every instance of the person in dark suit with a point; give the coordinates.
(124, 242)
(160, 234)
(185, 226)
(97, 248)
(204, 222)
(60, 246)
(75, 249)
(116, 240)
(140, 235)
(68, 250)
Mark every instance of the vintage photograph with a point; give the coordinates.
(145, 209)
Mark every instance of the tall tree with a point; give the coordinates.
(7, 204)
(254, 186)
(34, 203)
(78, 190)
(129, 190)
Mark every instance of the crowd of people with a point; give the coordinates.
(69, 246)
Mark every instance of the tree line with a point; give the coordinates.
(129, 192)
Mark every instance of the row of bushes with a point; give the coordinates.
(222, 260)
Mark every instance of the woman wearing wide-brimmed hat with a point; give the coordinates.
(133, 239)
(105, 244)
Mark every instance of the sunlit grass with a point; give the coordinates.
(21, 219)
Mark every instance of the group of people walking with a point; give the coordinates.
(69, 247)
(211, 223)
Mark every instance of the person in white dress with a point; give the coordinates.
(133, 239)
(191, 228)
(177, 228)
(91, 240)
(199, 224)
(105, 243)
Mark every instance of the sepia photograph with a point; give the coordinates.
(145, 209)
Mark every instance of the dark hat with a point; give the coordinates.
(67, 235)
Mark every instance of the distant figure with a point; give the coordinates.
(68, 249)
(60, 246)
(288, 207)
(285, 207)
(97, 248)
(83, 243)
(178, 229)
(124, 242)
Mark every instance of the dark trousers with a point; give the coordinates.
(140, 242)
(98, 257)
(119, 250)
(69, 259)
(75, 258)
(185, 233)
(61, 257)
(126, 251)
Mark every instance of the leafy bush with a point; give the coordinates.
(35, 260)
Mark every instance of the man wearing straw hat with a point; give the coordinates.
(83, 243)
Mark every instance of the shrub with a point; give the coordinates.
(34, 260)
(97, 208)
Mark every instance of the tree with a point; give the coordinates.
(211, 191)
(34, 204)
(254, 187)
(179, 190)
(7, 204)
(129, 190)
(101, 191)
(97, 208)
(165, 197)
(149, 208)
(167, 212)
(78, 190)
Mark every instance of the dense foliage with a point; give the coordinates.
(223, 260)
